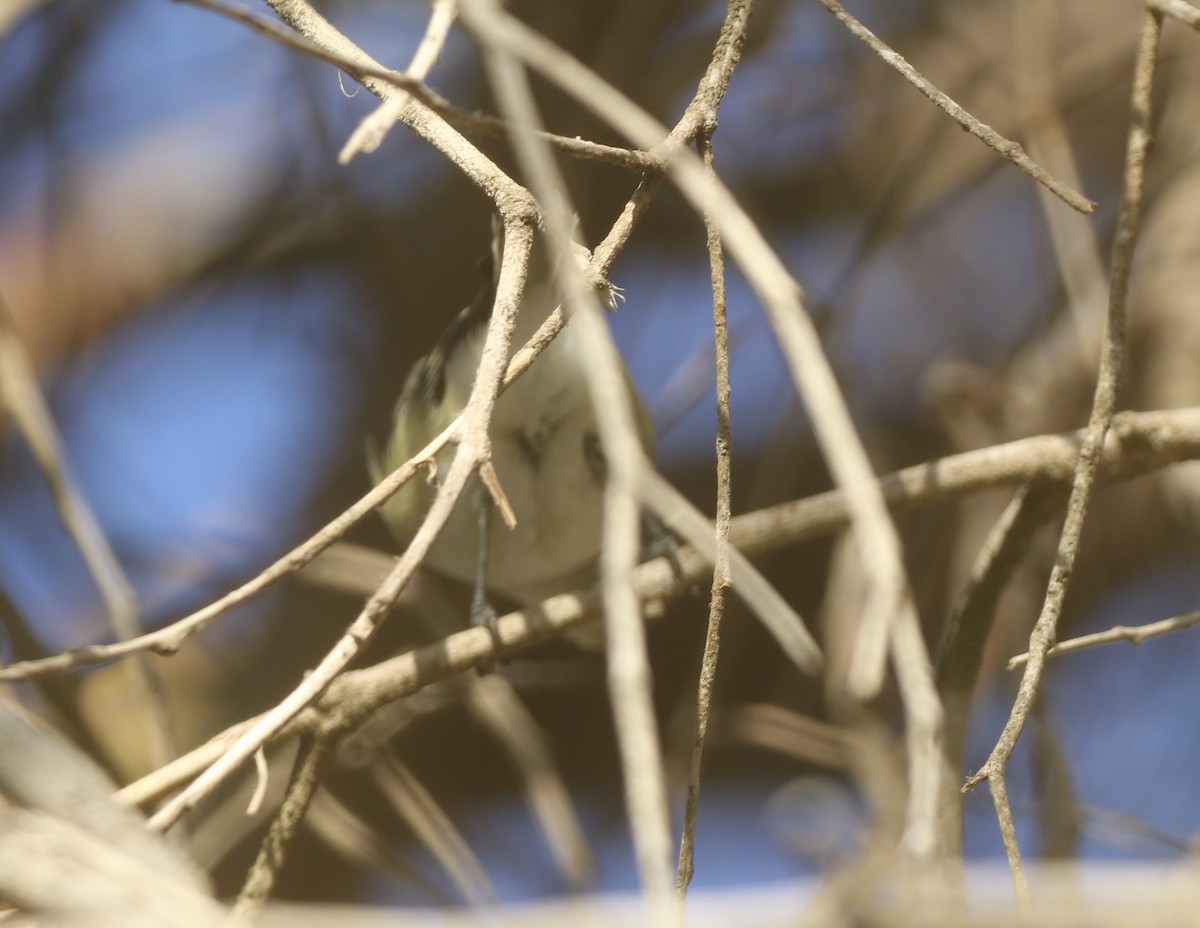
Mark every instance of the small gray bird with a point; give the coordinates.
(545, 449)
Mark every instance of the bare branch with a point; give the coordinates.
(628, 664)
(67, 849)
(960, 656)
(1103, 410)
(411, 87)
(985, 133)
(21, 394)
(472, 450)
(721, 572)
(370, 132)
(413, 802)
(1139, 443)
(496, 703)
(888, 595)
(306, 779)
(1134, 634)
(1177, 9)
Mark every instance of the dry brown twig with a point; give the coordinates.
(960, 655)
(305, 780)
(1143, 442)
(304, 19)
(469, 433)
(1177, 9)
(985, 133)
(473, 449)
(721, 572)
(1103, 411)
(889, 621)
(370, 132)
(1139, 444)
(402, 81)
(1132, 634)
(417, 807)
(627, 662)
(497, 704)
(907, 649)
(21, 395)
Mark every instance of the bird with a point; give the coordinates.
(545, 446)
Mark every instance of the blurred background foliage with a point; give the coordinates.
(222, 316)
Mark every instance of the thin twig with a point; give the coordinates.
(334, 662)
(327, 43)
(1134, 634)
(1148, 441)
(369, 133)
(699, 116)
(1008, 835)
(1177, 9)
(1140, 442)
(170, 638)
(475, 122)
(1072, 235)
(960, 655)
(780, 295)
(985, 133)
(262, 777)
(495, 702)
(1103, 409)
(628, 663)
(768, 605)
(472, 449)
(923, 734)
(721, 572)
(21, 395)
(413, 802)
(305, 780)
(160, 783)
